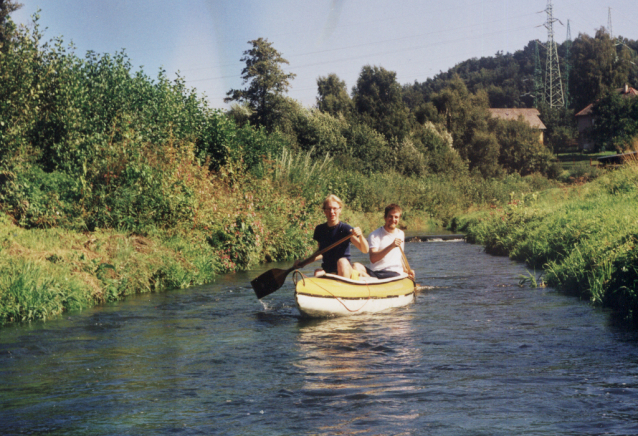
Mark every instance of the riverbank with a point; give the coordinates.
(583, 237)
(46, 272)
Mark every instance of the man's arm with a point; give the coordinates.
(359, 241)
(377, 254)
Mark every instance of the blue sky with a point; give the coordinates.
(204, 39)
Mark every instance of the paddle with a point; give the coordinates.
(405, 260)
(273, 279)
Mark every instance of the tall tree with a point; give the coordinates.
(333, 96)
(616, 124)
(6, 26)
(378, 100)
(267, 83)
(466, 118)
(598, 66)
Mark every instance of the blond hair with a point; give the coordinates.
(333, 198)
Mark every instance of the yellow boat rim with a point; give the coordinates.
(332, 295)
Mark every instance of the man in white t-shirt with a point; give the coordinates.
(386, 244)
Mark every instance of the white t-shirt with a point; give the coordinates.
(381, 238)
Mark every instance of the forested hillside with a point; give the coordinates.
(511, 79)
(591, 68)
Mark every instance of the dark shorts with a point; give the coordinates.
(382, 274)
(330, 270)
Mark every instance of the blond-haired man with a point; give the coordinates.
(337, 260)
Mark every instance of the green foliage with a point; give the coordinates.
(521, 149)
(333, 96)
(598, 66)
(531, 280)
(466, 118)
(368, 148)
(320, 132)
(266, 83)
(560, 134)
(507, 80)
(36, 198)
(223, 143)
(580, 172)
(584, 238)
(378, 101)
(6, 25)
(28, 292)
(491, 146)
(616, 126)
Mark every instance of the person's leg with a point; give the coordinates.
(344, 269)
(362, 269)
(319, 272)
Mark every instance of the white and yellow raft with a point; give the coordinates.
(331, 295)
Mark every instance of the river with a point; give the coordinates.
(475, 355)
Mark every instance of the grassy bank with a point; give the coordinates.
(45, 272)
(584, 237)
(223, 221)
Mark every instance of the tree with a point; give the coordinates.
(616, 125)
(267, 83)
(521, 149)
(378, 100)
(461, 111)
(561, 127)
(333, 96)
(6, 25)
(598, 66)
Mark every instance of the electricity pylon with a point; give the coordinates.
(538, 77)
(568, 46)
(554, 96)
(611, 32)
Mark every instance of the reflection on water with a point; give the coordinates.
(475, 354)
(340, 347)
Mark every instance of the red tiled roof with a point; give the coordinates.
(631, 92)
(586, 111)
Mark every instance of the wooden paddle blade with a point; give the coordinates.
(269, 282)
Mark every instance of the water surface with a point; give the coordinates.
(476, 355)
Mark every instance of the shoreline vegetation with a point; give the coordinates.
(584, 237)
(114, 183)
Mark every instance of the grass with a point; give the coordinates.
(570, 160)
(44, 272)
(584, 237)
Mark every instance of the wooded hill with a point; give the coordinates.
(590, 66)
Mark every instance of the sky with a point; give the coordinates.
(204, 40)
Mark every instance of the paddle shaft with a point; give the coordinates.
(405, 259)
(320, 252)
(273, 279)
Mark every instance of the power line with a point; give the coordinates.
(366, 44)
(351, 58)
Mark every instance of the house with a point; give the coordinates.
(529, 115)
(585, 119)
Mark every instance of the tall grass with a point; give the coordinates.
(585, 237)
(30, 291)
(434, 196)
